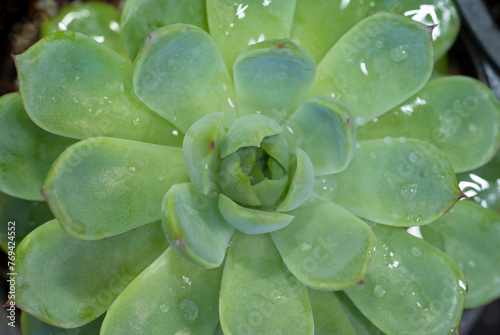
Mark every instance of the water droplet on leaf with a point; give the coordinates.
(379, 291)
(188, 309)
(164, 308)
(399, 53)
(409, 191)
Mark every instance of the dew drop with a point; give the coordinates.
(75, 99)
(379, 44)
(413, 157)
(415, 251)
(399, 53)
(373, 155)
(188, 309)
(164, 308)
(135, 122)
(388, 140)
(409, 191)
(472, 127)
(161, 178)
(361, 121)
(402, 139)
(396, 24)
(54, 99)
(379, 291)
(306, 246)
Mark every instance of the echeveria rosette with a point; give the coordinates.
(268, 169)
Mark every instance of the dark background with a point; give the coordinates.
(476, 53)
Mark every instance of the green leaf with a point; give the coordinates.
(179, 73)
(317, 25)
(359, 322)
(326, 247)
(272, 77)
(301, 183)
(194, 226)
(234, 25)
(379, 63)
(141, 17)
(235, 183)
(482, 184)
(273, 301)
(200, 150)
(324, 128)
(103, 186)
(400, 296)
(33, 326)
(89, 95)
(85, 277)
(329, 316)
(277, 147)
(97, 20)
(172, 296)
(469, 235)
(251, 221)
(459, 115)
(269, 191)
(439, 13)
(248, 131)
(25, 216)
(27, 152)
(399, 182)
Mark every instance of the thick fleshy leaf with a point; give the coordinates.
(25, 216)
(141, 17)
(94, 19)
(359, 322)
(179, 73)
(272, 77)
(399, 182)
(326, 247)
(318, 24)
(329, 316)
(85, 277)
(251, 221)
(200, 150)
(89, 95)
(269, 191)
(26, 151)
(459, 115)
(104, 186)
(277, 147)
(400, 296)
(273, 301)
(235, 183)
(374, 67)
(324, 128)
(234, 25)
(194, 226)
(441, 14)
(248, 131)
(301, 183)
(483, 184)
(33, 326)
(469, 235)
(172, 296)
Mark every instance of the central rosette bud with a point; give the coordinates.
(255, 162)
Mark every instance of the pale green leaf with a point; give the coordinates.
(89, 93)
(179, 73)
(410, 287)
(172, 296)
(104, 186)
(325, 247)
(469, 234)
(258, 296)
(394, 181)
(379, 63)
(68, 282)
(194, 226)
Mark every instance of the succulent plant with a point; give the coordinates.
(258, 179)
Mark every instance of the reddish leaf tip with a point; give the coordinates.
(179, 243)
(42, 193)
(281, 46)
(431, 27)
(360, 282)
(212, 145)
